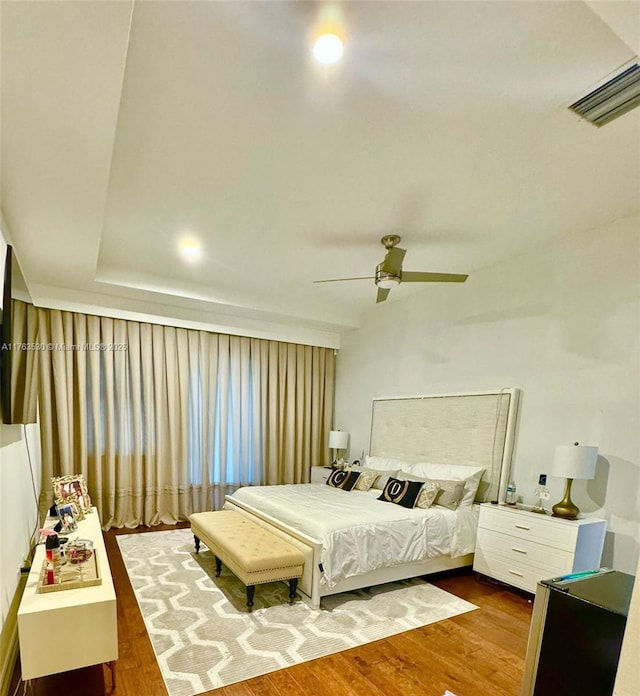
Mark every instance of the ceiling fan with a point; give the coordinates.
(389, 273)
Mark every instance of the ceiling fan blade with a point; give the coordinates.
(418, 277)
(393, 261)
(382, 294)
(339, 280)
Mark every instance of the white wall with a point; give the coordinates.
(18, 504)
(19, 451)
(560, 322)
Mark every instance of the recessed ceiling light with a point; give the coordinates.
(190, 250)
(328, 49)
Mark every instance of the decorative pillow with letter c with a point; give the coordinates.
(343, 479)
(403, 493)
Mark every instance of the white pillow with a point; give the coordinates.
(386, 464)
(471, 476)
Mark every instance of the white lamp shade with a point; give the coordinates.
(575, 461)
(338, 439)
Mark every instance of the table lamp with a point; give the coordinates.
(338, 440)
(572, 462)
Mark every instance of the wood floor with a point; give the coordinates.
(480, 653)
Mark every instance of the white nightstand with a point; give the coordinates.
(521, 547)
(320, 474)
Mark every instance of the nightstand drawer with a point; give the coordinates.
(560, 534)
(518, 573)
(513, 549)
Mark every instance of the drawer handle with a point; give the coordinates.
(521, 526)
(517, 550)
(515, 572)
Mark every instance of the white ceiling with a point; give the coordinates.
(127, 126)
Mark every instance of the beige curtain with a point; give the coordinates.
(164, 422)
(24, 357)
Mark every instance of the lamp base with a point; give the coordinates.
(565, 508)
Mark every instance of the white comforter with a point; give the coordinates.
(360, 533)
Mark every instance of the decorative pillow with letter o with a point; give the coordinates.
(343, 479)
(403, 493)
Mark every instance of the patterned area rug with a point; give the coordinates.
(204, 638)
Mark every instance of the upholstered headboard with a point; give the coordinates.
(475, 429)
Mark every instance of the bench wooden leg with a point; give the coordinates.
(251, 591)
(218, 566)
(197, 542)
(293, 586)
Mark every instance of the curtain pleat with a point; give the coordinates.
(24, 384)
(175, 420)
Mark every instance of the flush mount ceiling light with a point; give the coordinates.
(328, 49)
(327, 34)
(190, 250)
(612, 99)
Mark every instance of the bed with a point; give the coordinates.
(351, 539)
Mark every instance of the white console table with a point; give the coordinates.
(69, 629)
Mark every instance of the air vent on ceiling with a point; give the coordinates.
(612, 99)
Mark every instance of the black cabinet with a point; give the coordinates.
(576, 635)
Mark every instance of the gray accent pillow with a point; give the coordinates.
(450, 493)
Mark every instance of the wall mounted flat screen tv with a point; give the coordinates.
(5, 339)
(13, 286)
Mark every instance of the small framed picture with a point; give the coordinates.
(75, 484)
(73, 501)
(67, 518)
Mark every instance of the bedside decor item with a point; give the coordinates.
(75, 484)
(71, 577)
(542, 493)
(572, 462)
(67, 518)
(53, 562)
(338, 440)
(78, 552)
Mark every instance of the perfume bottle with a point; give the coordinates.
(52, 547)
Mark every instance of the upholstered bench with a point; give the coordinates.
(252, 553)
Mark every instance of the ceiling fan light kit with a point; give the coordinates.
(385, 280)
(389, 273)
